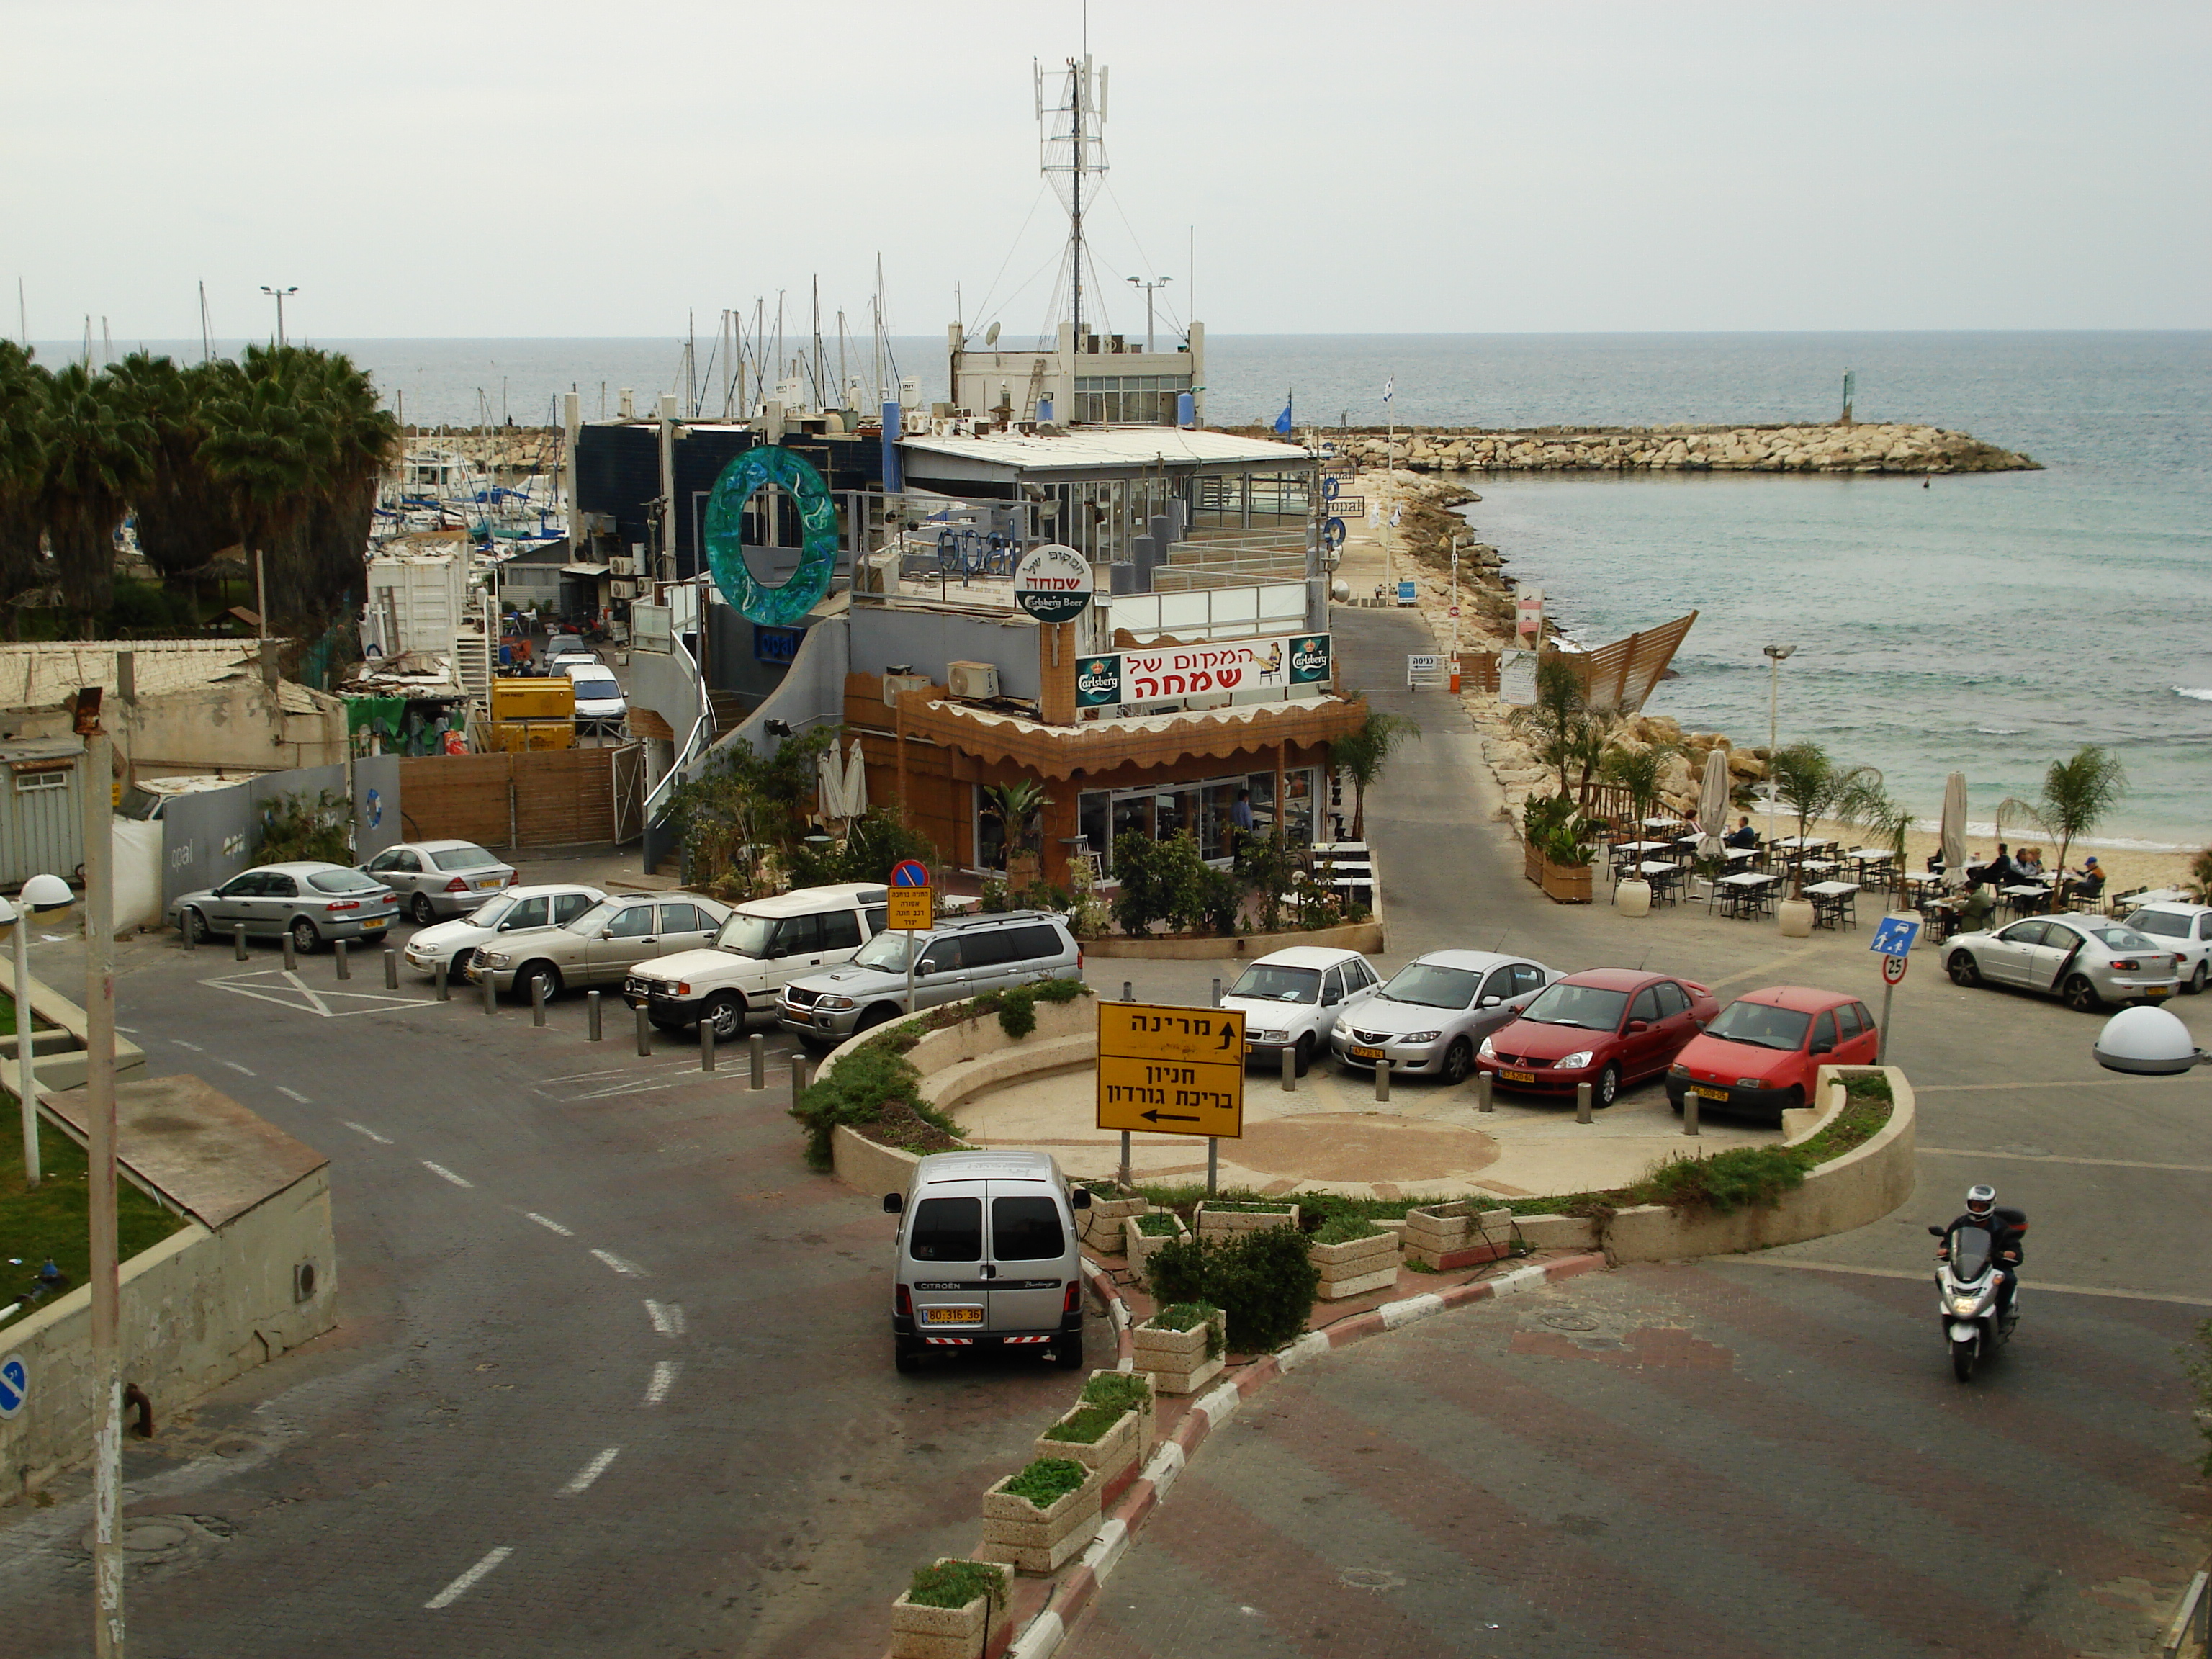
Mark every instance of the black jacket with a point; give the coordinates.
(2004, 1235)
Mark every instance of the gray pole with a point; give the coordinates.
(644, 1034)
(538, 1002)
(1483, 1084)
(757, 1052)
(706, 1044)
(1212, 1165)
(1583, 1102)
(1289, 1058)
(1882, 1037)
(490, 993)
(100, 1113)
(1690, 1112)
(291, 952)
(238, 939)
(439, 989)
(27, 1078)
(392, 970)
(909, 970)
(1382, 1080)
(592, 1017)
(340, 960)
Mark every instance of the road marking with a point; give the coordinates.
(628, 1268)
(590, 1472)
(2097, 1163)
(1929, 1277)
(663, 1379)
(288, 990)
(1982, 1088)
(461, 1586)
(294, 1094)
(363, 1129)
(667, 1317)
(248, 1070)
(548, 1223)
(194, 1047)
(441, 1172)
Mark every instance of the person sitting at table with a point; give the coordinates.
(1981, 903)
(2089, 882)
(1743, 835)
(2028, 866)
(1999, 872)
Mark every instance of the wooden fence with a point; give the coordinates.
(561, 797)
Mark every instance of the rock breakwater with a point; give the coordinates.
(1862, 448)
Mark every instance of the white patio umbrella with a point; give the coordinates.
(1713, 804)
(830, 785)
(856, 783)
(1952, 843)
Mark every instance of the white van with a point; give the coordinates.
(765, 946)
(987, 1257)
(600, 705)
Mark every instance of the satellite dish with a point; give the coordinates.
(991, 335)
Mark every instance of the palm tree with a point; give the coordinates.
(184, 518)
(98, 450)
(1816, 786)
(1017, 806)
(1560, 722)
(1637, 771)
(2078, 794)
(1362, 753)
(23, 388)
(264, 450)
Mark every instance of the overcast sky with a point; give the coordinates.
(475, 168)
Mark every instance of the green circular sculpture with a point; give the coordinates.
(771, 607)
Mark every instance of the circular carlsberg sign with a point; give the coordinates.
(1052, 583)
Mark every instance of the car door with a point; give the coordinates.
(942, 1259)
(938, 976)
(1641, 1048)
(1037, 953)
(2007, 958)
(567, 907)
(1676, 1020)
(628, 936)
(1819, 1049)
(2053, 957)
(1332, 1002)
(842, 933)
(399, 869)
(683, 927)
(526, 913)
(1494, 1006)
(1028, 1246)
(1857, 1042)
(795, 946)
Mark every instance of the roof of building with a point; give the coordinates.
(1096, 448)
(1059, 751)
(46, 676)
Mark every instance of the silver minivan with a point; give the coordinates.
(987, 1256)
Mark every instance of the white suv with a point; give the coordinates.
(1292, 998)
(765, 946)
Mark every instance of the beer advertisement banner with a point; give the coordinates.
(1275, 664)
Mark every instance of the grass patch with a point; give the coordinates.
(52, 1223)
(1253, 1206)
(1086, 1425)
(1345, 1229)
(1161, 1223)
(1183, 1315)
(1125, 1391)
(1046, 1481)
(956, 1583)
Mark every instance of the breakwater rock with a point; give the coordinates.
(1862, 447)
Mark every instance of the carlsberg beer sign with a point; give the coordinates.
(1052, 583)
(1270, 664)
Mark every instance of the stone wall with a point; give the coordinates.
(1884, 447)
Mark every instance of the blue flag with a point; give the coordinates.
(1283, 420)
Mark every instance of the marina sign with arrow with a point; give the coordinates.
(1171, 1070)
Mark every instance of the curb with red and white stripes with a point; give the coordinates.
(1042, 1636)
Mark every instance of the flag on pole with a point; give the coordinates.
(1390, 386)
(1283, 420)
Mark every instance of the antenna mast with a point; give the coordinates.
(1073, 145)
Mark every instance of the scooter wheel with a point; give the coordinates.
(1963, 1355)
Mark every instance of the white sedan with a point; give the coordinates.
(455, 942)
(1292, 998)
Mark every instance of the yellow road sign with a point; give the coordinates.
(910, 908)
(1171, 1070)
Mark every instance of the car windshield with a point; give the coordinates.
(2159, 922)
(490, 915)
(886, 951)
(462, 857)
(1264, 983)
(1427, 986)
(1762, 1026)
(596, 685)
(344, 881)
(746, 935)
(597, 916)
(2120, 939)
(1589, 1006)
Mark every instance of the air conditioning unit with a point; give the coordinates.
(623, 590)
(978, 682)
(619, 565)
(895, 683)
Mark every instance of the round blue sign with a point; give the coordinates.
(15, 1384)
(908, 872)
(1328, 487)
(373, 806)
(771, 607)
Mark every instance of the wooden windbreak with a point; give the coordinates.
(561, 798)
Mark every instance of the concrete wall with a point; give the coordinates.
(210, 837)
(930, 638)
(197, 1309)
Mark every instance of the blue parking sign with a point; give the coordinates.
(1895, 936)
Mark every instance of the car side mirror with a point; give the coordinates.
(1080, 1198)
(1332, 999)
(893, 1204)
(1635, 1025)
(1823, 1048)
(1490, 1002)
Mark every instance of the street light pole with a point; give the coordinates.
(1776, 656)
(279, 292)
(1148, 287)
(41, 896)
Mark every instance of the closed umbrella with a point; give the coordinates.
(830, 785)
(1713, 804)
(856, 783)
(1952, 846)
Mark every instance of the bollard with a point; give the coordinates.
(591, 1016)
(707, 1045)
(1382, 1080)
(1482, 1086)
(1690, 1112)
(237, 938)
(444, 992)
(758, 1046)
(191, 943)
(798, 1078)
(341, 959)
(538, 1001)
(490, 983)
(291, 952)
(1127, 995)
(1216, 994)
(1582, 1102)
(644, 1033)
(392, 970)
(1290, 1059)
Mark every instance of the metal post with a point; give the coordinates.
(1290, 1064)
(1690, 1112)
(490, 982)
(799, 1078)
(339, 958)
(1382, 1080)
(237, 938)
(1881, 1037)
(291, 952)
(27, 1077)
(191, 943)
(538, 1001)
(1216, 994)
(107, 1379)
(757, 1046)
(706, 1044)
(1583, 1102)
(392, 970)
(909, 970)
(1126, 995)
(1482, 1087)
(644, 1033)
(1124, 1159)
(443, 992)
(1212, 1165)
(592, 1017)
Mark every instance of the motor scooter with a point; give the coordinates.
(1967, 1283)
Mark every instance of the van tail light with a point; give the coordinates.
(1072, 1302)
(1078, 959)
(348, 904)
(457, 885)
(905, 1303)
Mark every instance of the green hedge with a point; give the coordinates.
(1264, 1280)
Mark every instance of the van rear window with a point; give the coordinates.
(1026, 1230)
(948, 1230)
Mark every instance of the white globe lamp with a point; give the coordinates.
(41, 896)
(2147, 1043)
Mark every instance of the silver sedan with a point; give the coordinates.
(2085, 960)
(1435, 1011)
(435, 878)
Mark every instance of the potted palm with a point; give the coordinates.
(1637, 772)
(1019, 808)
(1814, 785)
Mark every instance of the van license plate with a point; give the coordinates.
(1518, 1077)
(1366, 1054)
(951, 1315)
(1721, 1095)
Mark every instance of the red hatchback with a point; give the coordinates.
(1608, 1028)
(1760, 1056)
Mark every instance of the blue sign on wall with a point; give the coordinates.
(777, 645)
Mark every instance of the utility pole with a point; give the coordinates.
(279, 292)
(100, 1110)
(1148, 287)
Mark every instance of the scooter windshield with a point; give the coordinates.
(1970, 1254)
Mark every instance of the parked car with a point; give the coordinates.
(600, 946)
(764, 945)
(1436, 1009)
(517, 910)
(2086, 960)
(961, 957)
(1292, 998)
(2184, 929)
(1607, 1027)
(1762, 1052)
(987, 1256)
(312, 901)
(600, 705)
(568, 653)
(437, 878)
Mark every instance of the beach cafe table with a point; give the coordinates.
(1628, 853)
(2025, 900)
(1832, 903)
(1745, 893)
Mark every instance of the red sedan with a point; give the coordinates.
(1761, 1055)
(1608, 1028)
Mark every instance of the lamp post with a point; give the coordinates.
(1776, 656)
(41, 896)
(1148, 287)
(279, 293)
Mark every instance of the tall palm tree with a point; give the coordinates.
(23, 387)
(98, 450)
(1362, 753)
(184, 518)
(264, 449)
(2078, 794)
(1814, 785)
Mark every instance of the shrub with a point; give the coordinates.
(1046, 1481)
(1015, 1006)
(1086, 1425)
(1125, 1391)
(956, 1583)
(1263, 1279)
(1343, 1228)
(870, 1079)
(1741, 1177)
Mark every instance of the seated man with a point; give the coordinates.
(1743, 835)
(2089, 882)
(1981, 903)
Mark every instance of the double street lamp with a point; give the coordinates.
(279, 293)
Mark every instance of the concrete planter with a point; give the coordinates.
(1557, 1232)
(1221, 1224)
(1366, 937)
(1139, 1246)
(1356, 1268)
(1176, 1360)
(1039, 1542)
(924, 1632)
(1106, 1456)
(1102, 1221)
(1632, 899)
(1447, 1236)
(1795, 917)
(1148, 1418)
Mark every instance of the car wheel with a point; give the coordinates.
(1067, 1352)
(195, 927)
(727, 1010)
(1459, 1059)
(305, 939)
(882, 1014)
(527, 976)
(1608, 1087)
(1304, 1052)
(1962, 969)
(2081, 996)
(460, 963)
(419, 908)
(2196, 980)
(906, 1354)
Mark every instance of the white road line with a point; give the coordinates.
(667, 1317)
(2042, 1157)
(631, 1269)
(194, 1047)
(246, 1069)
(461, 1586)
(294, 1094)
(1929, 1277)
(663, 1379)
(590, 1472)
(363, 1129)
(548, 1223)
(444, 1173)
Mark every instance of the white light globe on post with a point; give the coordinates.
(46, 896)
(2147, 1042)
(41, 896)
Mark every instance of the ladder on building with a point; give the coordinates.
(1036, 389)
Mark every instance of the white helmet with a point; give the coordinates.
(1981, 1199)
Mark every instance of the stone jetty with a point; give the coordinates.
(1836, 447)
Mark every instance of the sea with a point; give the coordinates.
(1988, 624)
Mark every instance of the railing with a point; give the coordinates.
(2190, 1620)
(1238, 610)
(695, 741)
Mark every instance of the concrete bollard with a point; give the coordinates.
(1127, 995)
(490, 983)
(1690, 1112)
(644, 1033)
(1583, 1102)
(799, 1078)
(191, 943)
(706, 1045)
(1382, 1080)
(591, 1032)
(1216, 994)
(341, 959)
(536, 1002)
(1290, 1059)
(237, 938)
(1483, 1084)
(291, 953)
(757, 1045)
(442, 991)
(392, 970)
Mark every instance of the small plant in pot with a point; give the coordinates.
(1183, 1346)
(951, 1606)
(1036, 1519)
(1104, 1431)
(1019, 808)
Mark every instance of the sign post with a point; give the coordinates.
(1894, 939)
(1172, 1071)
(912, 906)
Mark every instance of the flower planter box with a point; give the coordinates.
(1447, 1235)
(1566, 884)
(1106, 1456)
(1176, 1360)
(1102, 1222)
(1148, 1419)
(1035, 1542)
(1138, 1245)
(1533, 864)
(926, 1632)
(1221, 1224)
(1356, 1268)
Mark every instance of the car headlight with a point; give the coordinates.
(1489, 1050)
(1420, 1037)
(834, 1004)
(1678, 1070)
(1575, 1062)
(500, 960)
(1271, 1037)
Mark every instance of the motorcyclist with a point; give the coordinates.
(2005, 1243)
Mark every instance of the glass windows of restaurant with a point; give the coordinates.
(1144, 399)
(1206, 808)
